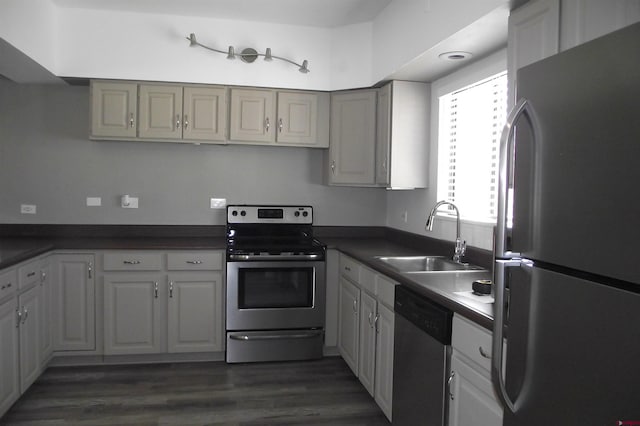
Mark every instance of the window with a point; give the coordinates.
(469, 129)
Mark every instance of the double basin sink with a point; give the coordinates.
(426, 264)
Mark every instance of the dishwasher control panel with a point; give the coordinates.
(433, 319)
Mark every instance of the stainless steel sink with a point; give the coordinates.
(426, 264)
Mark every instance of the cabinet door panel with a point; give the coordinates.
(348, 328)
(114, 109)
(367, 350)
(205, 113)
(74, 293)
(384, 360)
(46, 341)
(353, 137)
(132, 314)
(474, 402)
(252, 115)
(297, 118)
(160, 112)
(195, 312)
(9, 353)
(29, 303)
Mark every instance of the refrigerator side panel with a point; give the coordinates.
(577, 185)
(580, 342)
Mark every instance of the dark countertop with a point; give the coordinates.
(442, 291)
(363, 244)
(16, 250)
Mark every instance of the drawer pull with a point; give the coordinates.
(346, 268)
(31, 274)
(483, 353)
(194, 262)
(131, 262)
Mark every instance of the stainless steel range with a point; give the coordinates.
(275, 284)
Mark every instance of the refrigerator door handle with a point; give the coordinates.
(507, 155)
(497, 376)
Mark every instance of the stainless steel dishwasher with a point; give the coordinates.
(421, 356)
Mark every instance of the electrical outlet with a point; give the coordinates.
(218, 203)
(404, 216)
(27, 208)
(94, 201)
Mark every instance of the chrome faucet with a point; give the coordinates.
(461, 246)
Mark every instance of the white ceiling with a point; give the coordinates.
(316, 13)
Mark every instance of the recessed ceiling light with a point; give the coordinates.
(455, 56)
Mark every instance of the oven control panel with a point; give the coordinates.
(269, 214)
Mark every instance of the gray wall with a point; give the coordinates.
(46, 159)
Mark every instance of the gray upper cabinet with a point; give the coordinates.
(352, 151)
(158, 112)
(114, 109)
(253, 115)
(402, 143)
(534, 34)
(279, 118)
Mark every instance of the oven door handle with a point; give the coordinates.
(275, 257)
(246, 337)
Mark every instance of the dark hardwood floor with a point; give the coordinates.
(322, 392)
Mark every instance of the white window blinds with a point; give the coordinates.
(470, 125)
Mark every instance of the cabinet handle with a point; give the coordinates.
(90, 269)
(194, 262)
(449, 384)
(375, 323)
(267, 125)
(30, 274)
(186, 121)
(177, 121)
(280, 125)
(483, 353)
(355, 307)
(155, 289)
(19, 317)
(131, 262)
(370, 319)
(348, 269)
(170, 289)
(43, 277)
(131, 120)
(25, 314)
(333, 167)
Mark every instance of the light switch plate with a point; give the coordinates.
(218, 203)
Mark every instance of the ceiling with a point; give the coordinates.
(323, 13)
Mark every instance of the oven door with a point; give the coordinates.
(273, 295)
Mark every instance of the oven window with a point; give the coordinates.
(263, 288)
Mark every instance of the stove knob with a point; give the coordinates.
(296, 214)
(234, 213)
(305, 214)
(243, 213)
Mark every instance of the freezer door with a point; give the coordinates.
(573, 348)
(576, 199)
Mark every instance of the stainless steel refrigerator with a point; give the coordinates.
(567, 270)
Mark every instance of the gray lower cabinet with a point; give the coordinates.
(132, 314)
(9, 354)
(366, 328)
(74, 297)
(156, 302)
(194, 315)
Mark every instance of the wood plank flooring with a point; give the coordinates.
(322, 392)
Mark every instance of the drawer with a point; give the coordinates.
(8, 283)
(194, 261)
(368, 280)
(132, 261)
(386, 290)
(28, 274)
(472, 341)
(350, 268)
